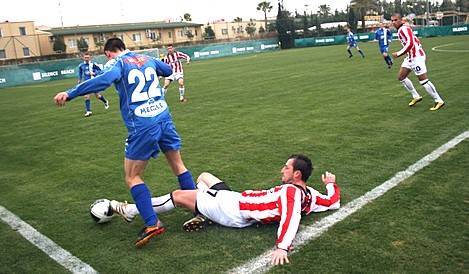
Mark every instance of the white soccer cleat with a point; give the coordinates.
(106, 105)
(88, 113)
(121, 209)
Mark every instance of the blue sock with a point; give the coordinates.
(88, 105)
(186, 181)
(142, 198)
(102, 99)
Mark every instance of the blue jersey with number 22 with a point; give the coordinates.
(135, 76)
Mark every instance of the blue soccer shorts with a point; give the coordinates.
(384, 49)
(147, 144)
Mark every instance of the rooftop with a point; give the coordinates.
(120, 27)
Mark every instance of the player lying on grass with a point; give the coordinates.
(283, 204)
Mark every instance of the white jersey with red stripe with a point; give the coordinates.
(410, 42)
(173, 60)
(283, 204)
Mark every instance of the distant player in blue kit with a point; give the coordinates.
(86, 71)
(352, 43)
(384, 37)
(148, 121)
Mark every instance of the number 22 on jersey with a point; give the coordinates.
(138, 93)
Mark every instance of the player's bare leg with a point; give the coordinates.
(167, 82)
(207, 180)
(430, 88)
(179, 169)
(402, 77)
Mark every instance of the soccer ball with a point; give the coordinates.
(101, 211)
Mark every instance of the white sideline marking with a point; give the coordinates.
(437, 48)
(53, 250)
(262, 262)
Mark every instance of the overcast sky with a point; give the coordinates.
(91, 12)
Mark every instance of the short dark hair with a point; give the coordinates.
(398, 15)
(169, 45)
(303, 164)
(114, 44)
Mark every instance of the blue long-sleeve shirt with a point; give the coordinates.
(383, 36)
(135, 77)
(85, 69)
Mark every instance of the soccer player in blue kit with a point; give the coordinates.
(352, 43)
(86, 71)
(148, 120)
(384, 37)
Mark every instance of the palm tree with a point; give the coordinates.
(238, 19)
(362, 7)
(264, 7)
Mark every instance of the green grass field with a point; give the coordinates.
(244, 116)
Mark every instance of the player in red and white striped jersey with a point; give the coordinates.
(414, 61)
(173, 59)
(283, 204)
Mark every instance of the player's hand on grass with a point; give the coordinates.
(61, 98)
(280, 256)
(328, 177)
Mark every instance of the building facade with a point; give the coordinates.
(134, 35)
(232, 30)
(20, 40)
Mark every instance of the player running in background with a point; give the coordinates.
(86, 71)
(414, 61)
(352, 43)
(384, 37)
(148, 121)
(284, 204)
(173, 59)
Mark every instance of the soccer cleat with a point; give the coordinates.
(437, 106)
(195, 223)
(415, 101)
(121, 209)
(148, 232)
(88, 113)
(182, 99)
(106, 104)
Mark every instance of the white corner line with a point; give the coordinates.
(261, 263)
(53, 250)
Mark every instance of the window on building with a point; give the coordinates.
(181, 33)
(152, 36)
(1, 34)
(25, 51)
(224, 31)
(170, 34)
(22, 31)
(72, 43)
(195, 31)
(2, 54)
(136, 37)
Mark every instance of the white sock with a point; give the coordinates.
(163, 203)
(430, 88)
(132, 209)
(181, 92)
(410, 88)
(164, 90)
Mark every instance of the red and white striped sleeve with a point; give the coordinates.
(290, 216)
(183, 56)
(321, 202)
(406, 32)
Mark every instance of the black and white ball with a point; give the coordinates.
(101, 211)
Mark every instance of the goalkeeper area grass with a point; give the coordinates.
(244, 116)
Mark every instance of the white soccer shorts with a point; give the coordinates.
(222, 207)
(417, 65)
(175, 76)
